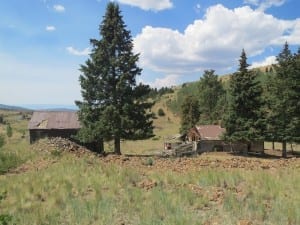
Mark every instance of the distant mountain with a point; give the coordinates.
(39, 107)
(13, 108)
(49, 107)
(60, 109)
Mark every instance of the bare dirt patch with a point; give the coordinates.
(220, 160)
(33, 166)
(213, 160)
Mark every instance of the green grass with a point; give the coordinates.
(8, 161)
(165, 126)
(88, 191)
(59, 188)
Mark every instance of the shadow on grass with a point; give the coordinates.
(268, 154)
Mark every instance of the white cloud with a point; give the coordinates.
(266, 62)
(50, 28)
(265, 4)
(167, 81)
(291, 34)
(155, 5)
(214, 42)
(77, 52)
(59, 8)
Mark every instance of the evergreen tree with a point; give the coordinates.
(211, 98)
(9, 131)
(2, 141)
(189, 113)
(245, 118)
(284, 106)
(113, 106)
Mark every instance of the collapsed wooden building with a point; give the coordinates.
(210, 138)
(43, 124)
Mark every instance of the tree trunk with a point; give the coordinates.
(284, 149)
(100, 146)
(247, 150)
(117, 145)
(273, 145)
(292, 149)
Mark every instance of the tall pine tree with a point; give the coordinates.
(284, 104)
(245, 118)
(211, 98)
(189, 113)
(113, 106)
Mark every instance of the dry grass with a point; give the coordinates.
(64, 189)
(89, 190)
(164, 126)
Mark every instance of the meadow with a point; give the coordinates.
(47, 185)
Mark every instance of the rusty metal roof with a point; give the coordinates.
(47, 120)
(210, 132)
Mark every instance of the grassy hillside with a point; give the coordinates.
(13, 108)
(165, 126)
(192, 88)
(48, 185)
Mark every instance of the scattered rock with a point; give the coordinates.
(147, 184)
(180, 165)
(245, 222)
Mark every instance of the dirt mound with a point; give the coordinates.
(33, 166)
(58, 144)
(197, 163)
(184, 164)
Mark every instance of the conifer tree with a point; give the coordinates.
(211, 97)
(9, 131)
(113, 106)
(245, 118)
(284, 104)
(189, 113)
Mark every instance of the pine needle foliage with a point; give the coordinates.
(245, 117)
(114, 105)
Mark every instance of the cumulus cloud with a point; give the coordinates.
(291, 34)
(214, 42)
(266, 62)
(167, 81)
(155, 5)
(50, 28)
(59, 8)
(77, 52)
(265, 4)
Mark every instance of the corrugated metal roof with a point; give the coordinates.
(54, 120)
(210, 132)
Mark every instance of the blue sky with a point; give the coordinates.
(43, 42)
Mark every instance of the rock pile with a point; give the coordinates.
(61, 145)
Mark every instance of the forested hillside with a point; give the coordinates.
(192, 88)
(252, 104)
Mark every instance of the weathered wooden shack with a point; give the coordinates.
(209, 138)
(53, 124)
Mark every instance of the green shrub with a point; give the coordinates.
(149, 162)
(4, 218)
(8, 130)
(8, 161)
(161, 112)
(2, 141)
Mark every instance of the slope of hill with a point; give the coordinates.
(191, 88)
(13, 108)
(51, 185)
